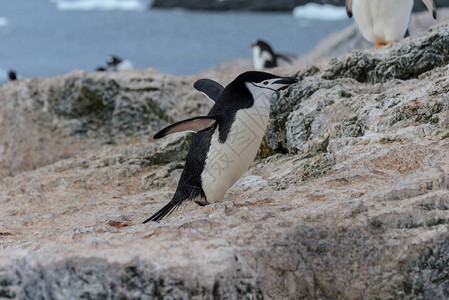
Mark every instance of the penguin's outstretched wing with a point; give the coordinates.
(210, 88)
(431, 7)
(349, 7)
(194, 125)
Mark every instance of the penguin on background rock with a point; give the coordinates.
(264, 56)
(12, 75)
(384, 21)
(226, 140)
(117, 64)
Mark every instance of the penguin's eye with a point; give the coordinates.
(265, 82)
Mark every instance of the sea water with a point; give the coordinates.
(46, 38)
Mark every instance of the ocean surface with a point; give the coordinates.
(50, 37)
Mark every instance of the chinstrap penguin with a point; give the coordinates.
(226, 140)
(264, 56)
(118, 64)
(383, 21)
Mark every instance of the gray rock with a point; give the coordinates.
(300, 114)
(58, 117)
(425, 53)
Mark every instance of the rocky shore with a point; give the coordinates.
(253, 5)
(348, 198)
(279, 5)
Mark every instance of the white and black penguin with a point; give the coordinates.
(264, 56)
(384, 21)
(118, 64)
(226, 140)
(12, 75)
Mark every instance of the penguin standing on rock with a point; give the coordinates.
(12, 75)
(384, 21)
(117, 64)
(264, 56)
(226, 140)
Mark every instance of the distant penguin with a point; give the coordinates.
(117, 64)
(100, 69)
(226, 140)
(264, 56)
(384, 21)
(12, 75)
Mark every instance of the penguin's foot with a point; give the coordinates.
(378, 45)
(201, 201)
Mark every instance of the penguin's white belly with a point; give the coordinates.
(260, 58)
(257, 60)
(227, 162)
(125, 65)
(381, 21)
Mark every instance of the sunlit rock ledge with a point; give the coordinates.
(348, 199)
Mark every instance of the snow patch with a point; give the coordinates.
(103, 5)
(325, 12)
(3, 22)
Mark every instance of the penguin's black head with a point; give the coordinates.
(113, 60)
(251, 86)
(263, 80)
(12, 75)
(264, 46)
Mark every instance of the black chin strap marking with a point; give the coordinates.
(263, 87)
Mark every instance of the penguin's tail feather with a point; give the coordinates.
(165, 211)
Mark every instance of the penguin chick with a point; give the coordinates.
(383, 21)
(264, 56)
(226, 140)
(117, 64)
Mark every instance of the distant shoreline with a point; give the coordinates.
(234, 5)
(254, 5)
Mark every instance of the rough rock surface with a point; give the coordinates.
(349, 198)
(55, 118)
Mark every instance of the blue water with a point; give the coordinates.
(39, 40)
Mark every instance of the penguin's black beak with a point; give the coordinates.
(286, 80)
